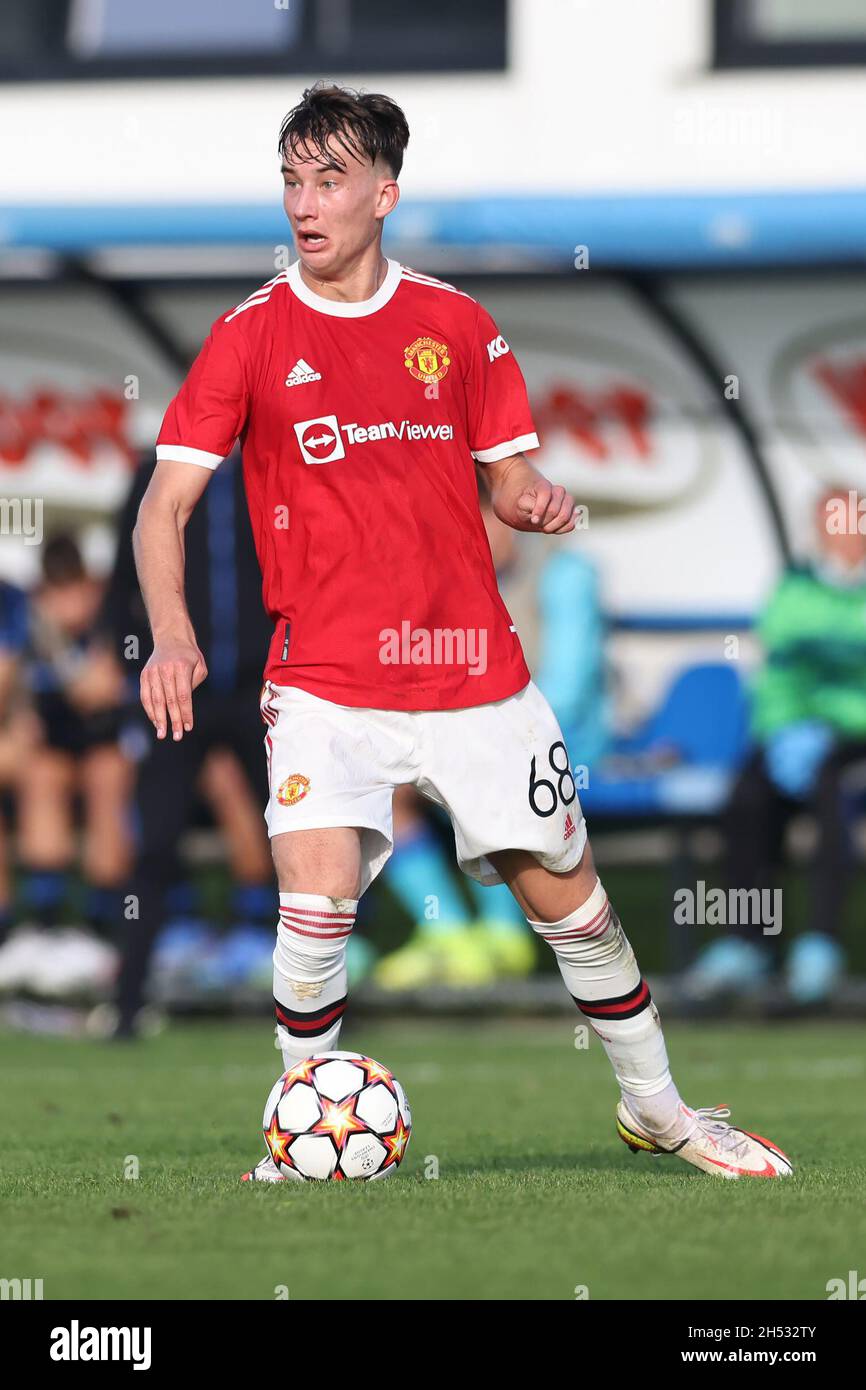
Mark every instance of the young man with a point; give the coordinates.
(76, 685)
(808, 723)
(362, 392)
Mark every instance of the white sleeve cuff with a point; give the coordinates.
(182, 454)
(504, 451)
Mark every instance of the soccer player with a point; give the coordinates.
(362, 392)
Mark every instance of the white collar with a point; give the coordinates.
(341, 308)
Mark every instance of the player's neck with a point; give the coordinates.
(356, 284)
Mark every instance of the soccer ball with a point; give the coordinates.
(337, 1115)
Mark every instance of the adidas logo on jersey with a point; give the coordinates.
(302, 373)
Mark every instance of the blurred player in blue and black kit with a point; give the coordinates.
(15, 734)
(224, 593)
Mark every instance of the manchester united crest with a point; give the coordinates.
(426, 360)
(293, 789)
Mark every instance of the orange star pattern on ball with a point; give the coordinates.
(278, 1141)
(374, 1071)
(300, 1071)
(339, 1121)
(396, 1143)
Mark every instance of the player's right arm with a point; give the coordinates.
(200, 428)
(176, 665)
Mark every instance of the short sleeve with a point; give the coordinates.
(210, 410)
(499, 419)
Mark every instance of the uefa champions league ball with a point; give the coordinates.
(337, 1115)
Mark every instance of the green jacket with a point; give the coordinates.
(814, 636)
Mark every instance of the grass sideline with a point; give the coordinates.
(536, 1197)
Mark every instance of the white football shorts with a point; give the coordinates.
(501, 772)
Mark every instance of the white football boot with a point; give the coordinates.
(20, 956)
(712, 1145)
(73, 962)
(264, 1171)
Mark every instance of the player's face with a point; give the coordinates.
(335, 212)
(70, 607)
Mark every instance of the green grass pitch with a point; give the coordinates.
(535, 1196)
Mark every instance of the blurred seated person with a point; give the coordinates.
(17, 730)
(552, 594)
(809, 729)
(76, 688)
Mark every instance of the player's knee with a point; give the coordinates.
(591, 934)
(324, 862)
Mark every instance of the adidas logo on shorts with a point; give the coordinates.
(570, 826)
(302, 373)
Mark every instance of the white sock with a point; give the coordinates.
(601, 974)
(310, 972)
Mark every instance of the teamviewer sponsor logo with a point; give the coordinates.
(387, 429)
(319, 440)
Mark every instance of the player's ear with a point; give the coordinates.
(389, 196)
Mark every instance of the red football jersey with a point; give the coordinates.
(359, 424)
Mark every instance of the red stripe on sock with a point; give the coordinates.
(320, 935)
(590, 929)
(636, 1001)
(297, 1025)
(316, 912)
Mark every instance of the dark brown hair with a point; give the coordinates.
(364, 123)
(61, 561)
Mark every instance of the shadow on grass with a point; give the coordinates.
(573, 1164)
